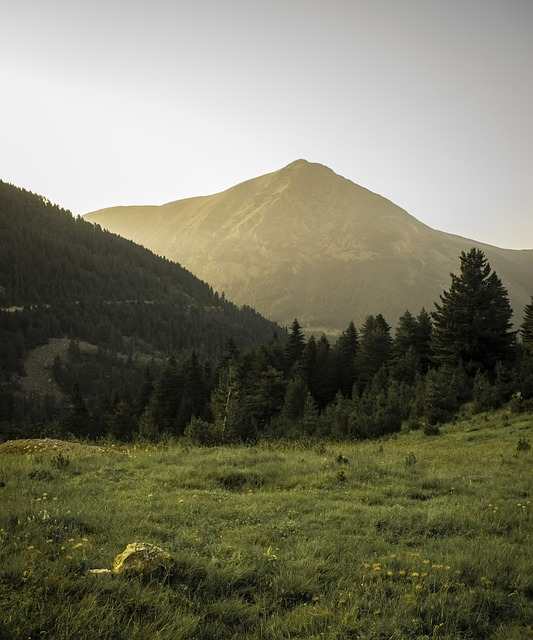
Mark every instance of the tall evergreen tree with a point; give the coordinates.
(375, 348)
(423, 336)
(406, 334)
(309, 362)
(78, 421)
(472, 323)
(295, 396)
(324, 381)
(194, 395)
(527, 327)
(295, 345)
(162, 412)
(347, 345)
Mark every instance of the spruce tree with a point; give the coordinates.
(194, 398)
(375, 348)
(78, 421)
(423, 334)
(295, 396)
(165, 402)
(527, 327)
(472, 322)
(324, 383)
(347, 345)
(406, 334)
(295, 345)
(309, 362)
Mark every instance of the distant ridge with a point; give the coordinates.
(304, 241)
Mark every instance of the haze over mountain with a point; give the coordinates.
(304, 241)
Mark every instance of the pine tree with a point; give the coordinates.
(309, 362)
(122, 423)
(472, 323)
(440, 401)
(194, 397)
(295, 396)
(375, 348)
(324, 382)
(78, 420)
(347, 345)
(406, 334)
(527, 327)
(165, 401)
(424, 331)
(295, 345)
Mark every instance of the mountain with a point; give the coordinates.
(304, 241)
(61, 276)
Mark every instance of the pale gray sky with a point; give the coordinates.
(428, 103)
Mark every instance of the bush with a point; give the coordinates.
(60, 461)
(431, 429)
(440, 396)
(238, 480)
(484, 394)
(207, 434)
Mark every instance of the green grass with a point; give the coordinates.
(413, 537)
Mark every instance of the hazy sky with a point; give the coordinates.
(428, 103)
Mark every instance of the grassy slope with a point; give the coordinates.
(436, 549)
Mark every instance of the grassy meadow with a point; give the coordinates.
(410, 537)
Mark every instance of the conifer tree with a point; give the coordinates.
(295, 345)
(194, 395)
(295, 397)
(527, 327)
(472, 322)
(309, 362)
(163, 409)
(78, 420)
(347, 346)
(324, 383)
(424, 330)
(375, 348)
(406, 334)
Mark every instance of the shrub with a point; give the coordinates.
(238, 480)
(206, 434)
(484, 394)
(431, 429)
(60, 461)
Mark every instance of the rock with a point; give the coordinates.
(144, 559)
(100, 572)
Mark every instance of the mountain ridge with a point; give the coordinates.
(69, 277)
(304, 241)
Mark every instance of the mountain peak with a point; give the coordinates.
(302, 163)
(306, 241)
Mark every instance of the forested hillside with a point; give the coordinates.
(93, 284)
(63, 277)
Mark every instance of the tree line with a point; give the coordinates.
(369, 382)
